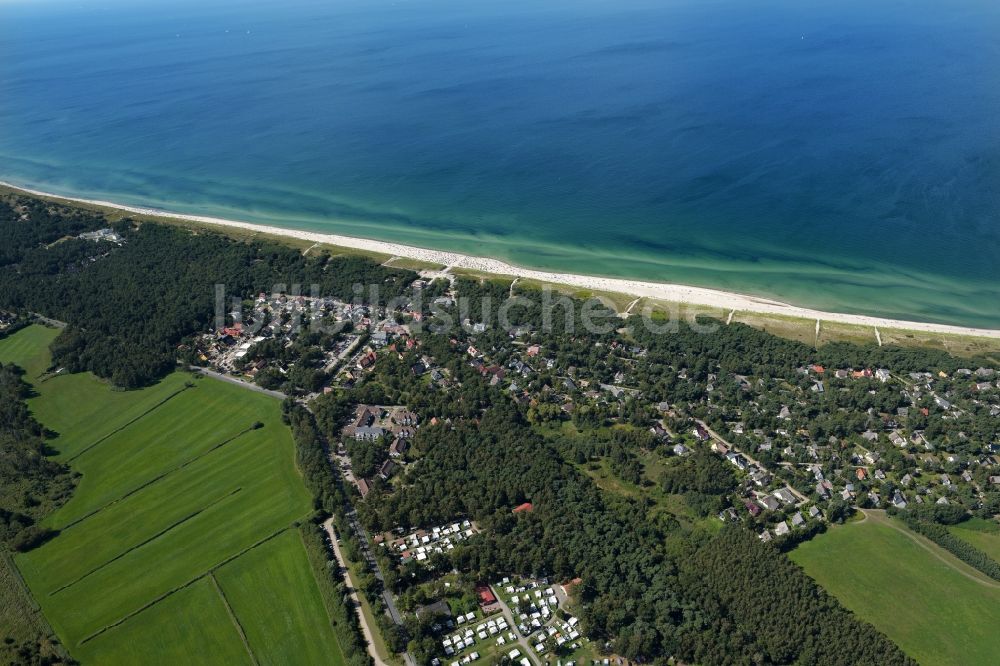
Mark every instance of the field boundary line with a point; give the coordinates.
(154, 480)
(232, 616)
(130, 423)
(932, 548)
(182, 586)
(154, 537)
(12, 565)
(145, 606)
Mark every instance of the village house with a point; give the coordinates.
(398, 447)
(785, 495)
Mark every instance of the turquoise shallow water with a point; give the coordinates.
(840, 155)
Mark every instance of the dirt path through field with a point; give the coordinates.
(950, 560)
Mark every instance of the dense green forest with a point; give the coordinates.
(129, 307)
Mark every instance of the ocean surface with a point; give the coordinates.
(843, 155)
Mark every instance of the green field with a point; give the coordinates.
(983, 534)
(181, 498)
(932, 605)
(189, 627)
(272, 592)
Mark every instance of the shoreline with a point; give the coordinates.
(662, 291)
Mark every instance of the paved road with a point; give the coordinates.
(390, 603)
(239, 382)
(339, 359)
(353, 591)
(46, 320)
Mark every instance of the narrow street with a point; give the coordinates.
(353, 592)
(521, 640)
(390, 604)
(233, 380)
(802, 498)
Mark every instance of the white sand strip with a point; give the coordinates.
(694, 296)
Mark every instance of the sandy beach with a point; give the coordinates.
(676, 293)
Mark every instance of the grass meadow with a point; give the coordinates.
(983, 534)
(279, 571)
(183, 507)
(913, 591)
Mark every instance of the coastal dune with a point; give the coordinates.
(676, 293)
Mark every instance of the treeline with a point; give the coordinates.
(960, 548)
(32, 485)
(743, 350)
(494, 302)
(336, 598)
(329, 499)
(17, 325)
(653, 591)
(130, 307)
(759, 607)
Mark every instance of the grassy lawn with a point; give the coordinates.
(792, 328)
(613, 299)
(831, 331)
(66, 404)
(959, 345)
(191, 626)
(174, 434)
(413, 264)
(932, 611)
(983, 534)
(172, 491)
(658, 309)
(272, 591)
(29, 347)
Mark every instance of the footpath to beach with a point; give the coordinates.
(659, 291)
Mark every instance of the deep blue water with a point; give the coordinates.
(843, 155)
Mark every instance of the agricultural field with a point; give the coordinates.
(272, 592)
(983, 534)
(938, 610)
(180, 537)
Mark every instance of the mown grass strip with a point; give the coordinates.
(154, 537)
(126, 425)
(180, 587)
(160, 477)
(232, 616)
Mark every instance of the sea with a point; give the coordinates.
(842, 155)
